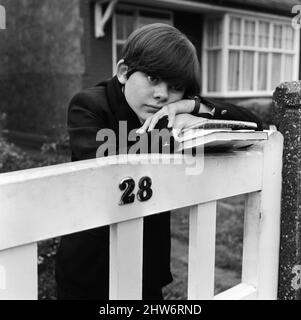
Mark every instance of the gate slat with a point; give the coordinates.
(19, 273)
(250, 239)
(126, 245)
(202, 225)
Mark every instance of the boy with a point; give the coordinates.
(157, 77)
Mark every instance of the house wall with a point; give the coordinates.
(49, 52)
(41, 63)
(97, 52)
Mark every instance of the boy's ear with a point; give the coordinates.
(122, 70)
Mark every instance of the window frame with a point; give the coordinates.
(136, 10)
(225, 48)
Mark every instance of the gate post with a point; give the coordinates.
(287, 118)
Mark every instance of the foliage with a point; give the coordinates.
(13, 158)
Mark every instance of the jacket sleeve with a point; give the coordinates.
(83, 125)
(228, 111)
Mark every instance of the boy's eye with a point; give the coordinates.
(153, 79)
(176, 88)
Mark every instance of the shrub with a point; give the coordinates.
(13, 158)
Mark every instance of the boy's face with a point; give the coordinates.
(146, 94)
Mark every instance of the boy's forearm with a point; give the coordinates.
(228, 111)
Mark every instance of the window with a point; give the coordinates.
(248, 56)
(214, 54)
(126, 19)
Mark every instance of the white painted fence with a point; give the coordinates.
(42, 203)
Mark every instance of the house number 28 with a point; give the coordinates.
(127, 185)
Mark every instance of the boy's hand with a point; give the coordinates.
(183, 121)
(170, 110)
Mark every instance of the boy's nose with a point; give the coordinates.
(161, 92)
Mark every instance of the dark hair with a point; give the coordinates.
(163, 51)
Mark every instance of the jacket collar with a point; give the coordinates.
(119, 105)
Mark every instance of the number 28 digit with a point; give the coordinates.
(127, 185)
(145, 192)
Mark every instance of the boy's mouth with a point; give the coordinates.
(153, 107)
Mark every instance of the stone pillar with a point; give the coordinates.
(287, 118)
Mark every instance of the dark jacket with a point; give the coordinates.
(82, 264)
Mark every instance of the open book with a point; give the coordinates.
(217, 135)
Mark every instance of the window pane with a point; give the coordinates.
(276, 70)
(214, 32)
(119, 51)
(128, 20)
(248, 70)
(160, 16)
(277, 38)
(288, 67)
(235, 32)
(129, 25)
(124, 24)
(249, 34)
(119, 26)
(214, 70)
(233, 75)
(288, 37)
(144, 20)
(262, 71)
(263, 39)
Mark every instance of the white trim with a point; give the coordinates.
(238, 94)
(204, 59)
(225, 54)
(114, 41)
(259, 49)
(101, 17)
(214, 48)
(255, 74)
(201, 7)
(270, 45)
(282, 68)
(240, 69)
(2, 17)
